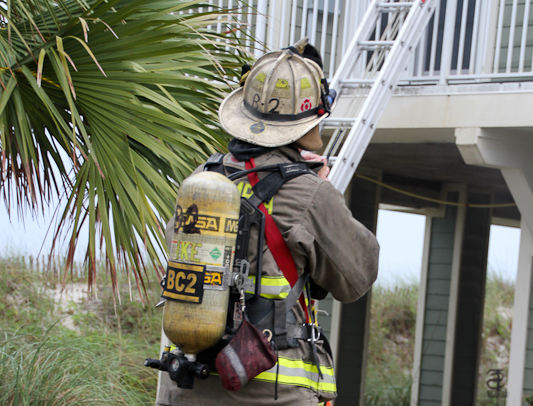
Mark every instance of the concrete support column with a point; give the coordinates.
(451, 299)
(353, 345)
(520, 380)
(355, 317)
(434, 340)
(508, 150)
(470, 301)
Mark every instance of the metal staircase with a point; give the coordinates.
(367, 76)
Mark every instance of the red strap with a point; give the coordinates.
(275, 242)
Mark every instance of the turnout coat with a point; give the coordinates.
(324, 239)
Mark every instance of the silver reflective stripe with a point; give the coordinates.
(236, 364)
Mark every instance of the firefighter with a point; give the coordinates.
(273, 118)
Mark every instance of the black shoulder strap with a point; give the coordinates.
(214, 163)
(267, 187)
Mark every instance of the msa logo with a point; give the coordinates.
(191, 222)
(208, 223)
(231, 226)
(213, 278)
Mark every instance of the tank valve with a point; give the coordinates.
(179, 368)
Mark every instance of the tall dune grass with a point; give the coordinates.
(53, 355)
(88, 353)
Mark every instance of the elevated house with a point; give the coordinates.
(454, 143)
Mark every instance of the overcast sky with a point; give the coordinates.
(400, 236)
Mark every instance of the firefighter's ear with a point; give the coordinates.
(245, 70)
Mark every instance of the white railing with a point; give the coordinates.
(466, 41)
(275, 24)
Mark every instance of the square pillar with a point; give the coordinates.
(520, 380)
(355, 316)
(470, 301)
(451, 299)
(436, 306)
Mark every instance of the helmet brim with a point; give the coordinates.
(241, 124)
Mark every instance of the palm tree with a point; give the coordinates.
(109, 104)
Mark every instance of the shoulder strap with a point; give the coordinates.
(267, 187)
(214, 163)
(276, 243)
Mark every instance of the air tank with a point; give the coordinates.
(200, 261)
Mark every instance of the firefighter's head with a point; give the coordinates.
(284, 98)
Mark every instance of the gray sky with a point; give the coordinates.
(400, 236)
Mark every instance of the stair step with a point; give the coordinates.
(394, 6)
(373, 45)
(357, 82)
(339, 121)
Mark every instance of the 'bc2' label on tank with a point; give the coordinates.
(185, 282)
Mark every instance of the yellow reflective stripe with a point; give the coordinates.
(272, 287)
(297, 381)
(272, 280)
(246, 191)
(282, 295)
(300, 373)
(308, 366)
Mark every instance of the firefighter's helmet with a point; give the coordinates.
(284, 97)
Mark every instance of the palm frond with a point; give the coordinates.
(110, 103)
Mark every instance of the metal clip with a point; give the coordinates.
(242, 300)
(313, 332)
(241, 270)
(268, 334)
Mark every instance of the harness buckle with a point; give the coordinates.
(239, 280)
(313, 332)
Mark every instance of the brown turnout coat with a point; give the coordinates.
(323, 237)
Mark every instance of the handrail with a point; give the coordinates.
(479, 48)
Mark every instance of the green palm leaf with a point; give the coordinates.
(111, 104)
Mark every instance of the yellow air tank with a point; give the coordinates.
(201, 260)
